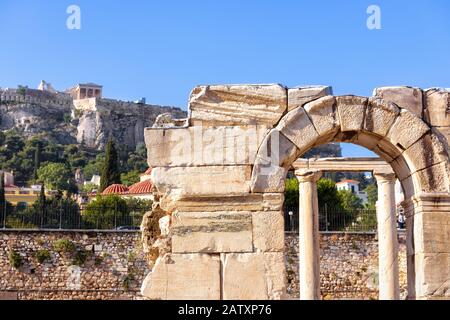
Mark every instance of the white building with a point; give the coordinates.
(94, 180)
(353, 187)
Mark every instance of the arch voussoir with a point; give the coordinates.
(322, 113)
(351, 112)
(380, 115)
(274, 158)
(297, 127)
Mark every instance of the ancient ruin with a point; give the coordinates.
(221, 176)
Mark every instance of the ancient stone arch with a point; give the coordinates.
(221, 179)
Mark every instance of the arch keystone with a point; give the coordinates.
(351, 110)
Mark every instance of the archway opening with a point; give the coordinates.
(394, 134)
(347, 223)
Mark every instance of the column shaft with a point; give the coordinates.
(309, 235)
(387, 238)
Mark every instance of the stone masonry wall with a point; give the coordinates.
(115, 267)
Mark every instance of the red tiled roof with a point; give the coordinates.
(11, 186)
(115, 189)
(348, 181)
(147, 172)
(143, 187)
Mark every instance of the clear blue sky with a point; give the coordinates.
(161, 50)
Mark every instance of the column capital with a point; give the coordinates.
(306, 175)
(384, 176)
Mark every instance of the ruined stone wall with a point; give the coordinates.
(113, 268)
(432, 105)
(116, 266)
(221, 180)
(348, 265)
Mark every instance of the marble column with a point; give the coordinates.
(387, 237)
(309, 234)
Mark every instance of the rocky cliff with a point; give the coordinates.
(89, 122)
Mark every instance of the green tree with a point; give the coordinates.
(90, 187)
(55, 176)
(2, 198)
(106, 212)
(41, 204)
(349, 201)
(13, 143)
(37, 160)
(93, 167)
(327, 194)
(130, 177)
(110, 173)
(291, 194)
(372, 195)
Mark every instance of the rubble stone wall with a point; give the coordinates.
(115, 266)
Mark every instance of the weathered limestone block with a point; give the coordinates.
(275, 155)
(443, 133)
(199, 146)
(432, 231)
(432, 179)
(268, 178)
(401, 168)
(386, 150)
(408, 98)
(237, 104)
(298, 128)
(298, 97)
(432, 275)
(253, 276)
(268, 231)
(408, 187)
(322, 113)
(248, 202)
(273, 201)
(425, 152)
(184, 277)
(407, 122)
(366, 140)
(351, 110)
(166, 120)
(437, 107)
(277, 150)
(380, 115)
(212, 232)
(209, 180)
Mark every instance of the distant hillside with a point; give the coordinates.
(87, 122)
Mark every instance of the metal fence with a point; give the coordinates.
(72, 217)
(337, 219)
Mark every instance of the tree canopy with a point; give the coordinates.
(110, 171)
(55, 176)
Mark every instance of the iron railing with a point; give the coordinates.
(337, 219)
(72, 217)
